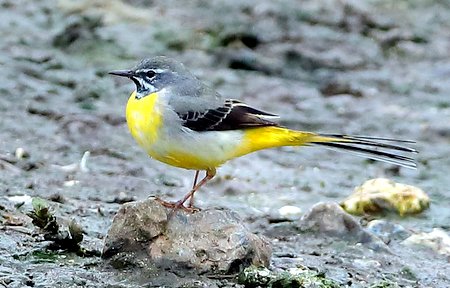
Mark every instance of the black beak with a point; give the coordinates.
(122, 73)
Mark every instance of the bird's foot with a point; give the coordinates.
(177, 205)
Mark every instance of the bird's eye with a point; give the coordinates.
(150, 74)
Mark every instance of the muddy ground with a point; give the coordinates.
(373, 68)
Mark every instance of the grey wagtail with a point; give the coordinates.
(182, 122)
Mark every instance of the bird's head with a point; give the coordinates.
(154, 74)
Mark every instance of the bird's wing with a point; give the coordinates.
(230, 115)
(201, 108)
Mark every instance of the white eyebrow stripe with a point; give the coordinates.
(157, 70)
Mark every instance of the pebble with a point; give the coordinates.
(21, 153)
(290, 212)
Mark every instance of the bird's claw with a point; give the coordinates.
(177, 205)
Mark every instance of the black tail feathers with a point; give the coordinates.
(382, 149)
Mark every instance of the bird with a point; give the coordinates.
(181, 121)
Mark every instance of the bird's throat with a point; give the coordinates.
(144, 118)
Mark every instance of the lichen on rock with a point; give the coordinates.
(382, 195)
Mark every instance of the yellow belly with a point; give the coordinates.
(185, 160)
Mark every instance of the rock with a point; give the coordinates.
(331, 220)
(290, 212)
(206, 241)
(328, 218)
(387, 230)
(438, 240)
(380, 194)
(286, 213)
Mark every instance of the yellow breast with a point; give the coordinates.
(144, 119)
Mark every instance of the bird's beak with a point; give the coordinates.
(122, 73)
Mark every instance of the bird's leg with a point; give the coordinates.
(191, 200)
(173, 205)
(210, 173)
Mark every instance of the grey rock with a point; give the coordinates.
(387, 231)
(331, 220)
(211, 240)
(438, 240)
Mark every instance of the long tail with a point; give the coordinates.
(376, 148)
(382, 149)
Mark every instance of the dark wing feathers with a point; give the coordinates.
(230, 116)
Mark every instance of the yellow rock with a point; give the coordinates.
(380, 194)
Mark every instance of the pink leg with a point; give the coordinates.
(191, 200)
(210, 173)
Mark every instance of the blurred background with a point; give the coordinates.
(377, 67)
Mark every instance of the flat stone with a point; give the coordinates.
(210, 240)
